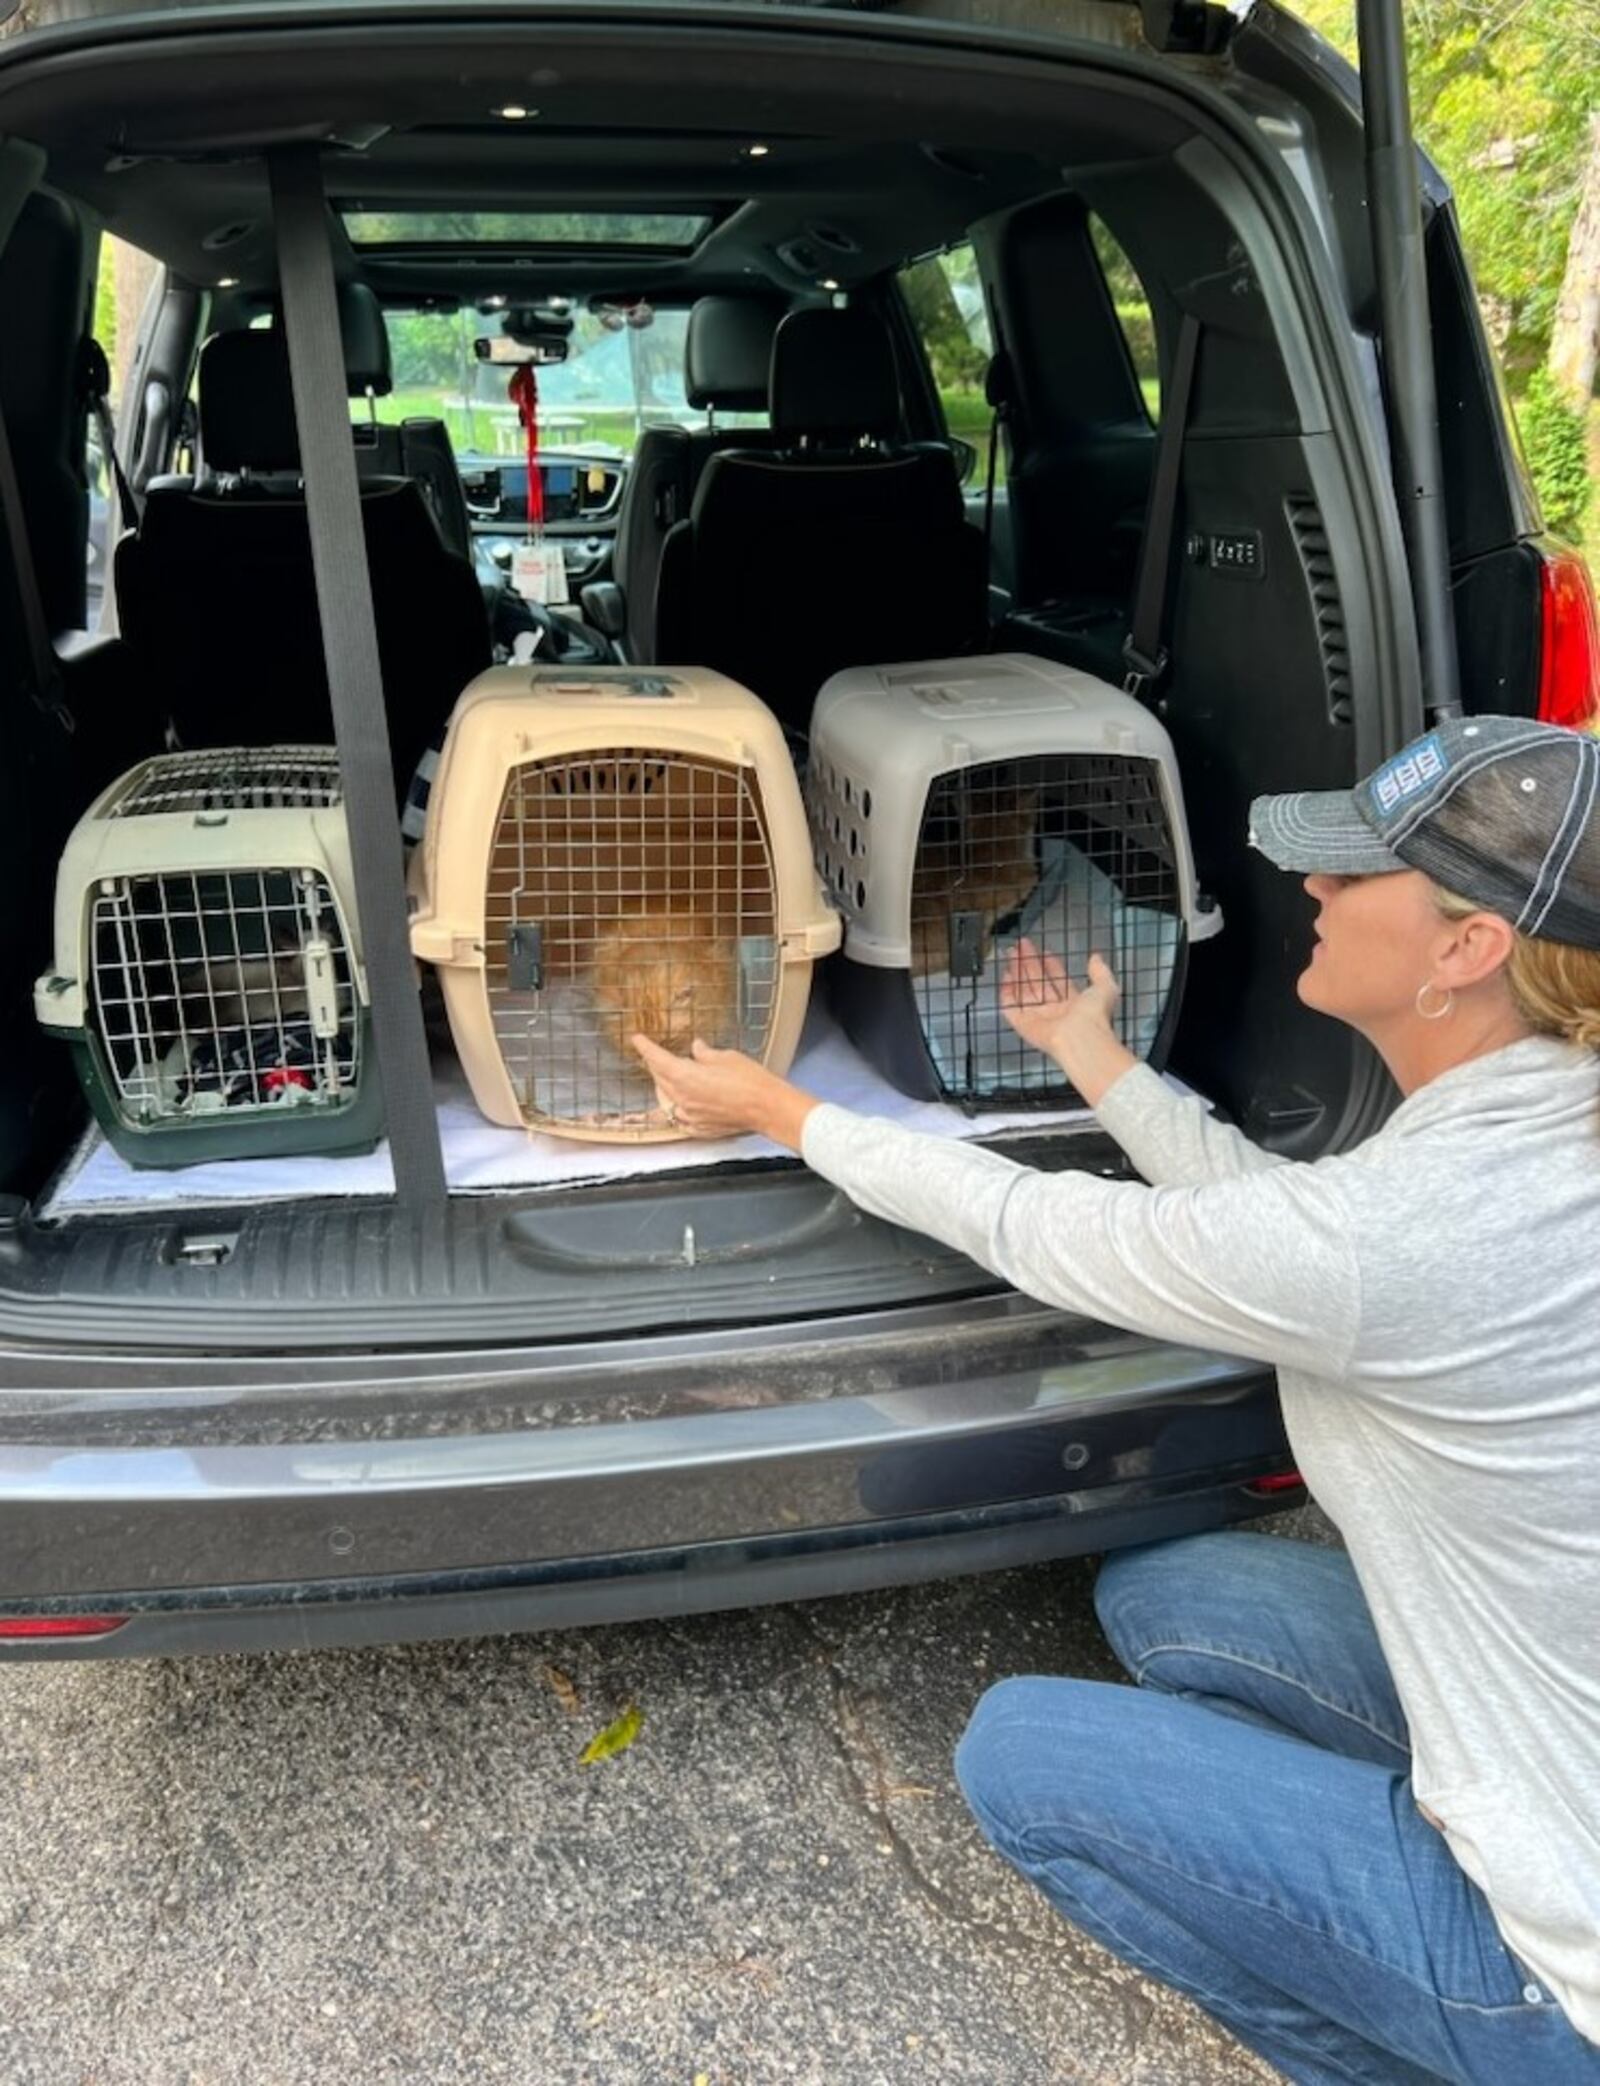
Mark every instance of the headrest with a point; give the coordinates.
(833, 374)
(366, 341)
(247, 403)
(727, 355)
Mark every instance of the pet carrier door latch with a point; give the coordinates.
(322, 988)
(525, 958)
(966, 944)
(818, 937)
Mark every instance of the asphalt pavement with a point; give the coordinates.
(390, 1865)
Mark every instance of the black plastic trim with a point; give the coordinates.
(816, 1564)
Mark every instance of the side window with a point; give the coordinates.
(123, 278)
(1133, 314)
(121, 285)
(944, 296)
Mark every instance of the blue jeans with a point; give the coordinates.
(1243, 1827)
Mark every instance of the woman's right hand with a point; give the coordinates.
(1070, 1023)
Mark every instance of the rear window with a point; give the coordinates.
(124, 278)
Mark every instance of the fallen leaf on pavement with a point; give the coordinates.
(616, 1738)
(562, 1688)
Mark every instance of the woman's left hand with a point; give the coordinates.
(723, 1093)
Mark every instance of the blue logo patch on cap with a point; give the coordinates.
(1409, 773)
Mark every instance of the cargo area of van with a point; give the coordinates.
(823, 536)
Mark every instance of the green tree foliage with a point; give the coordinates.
(956, 338)
(522, 227)
(427, 349)
(1501, 93)
(1556, 445)
(105, 305)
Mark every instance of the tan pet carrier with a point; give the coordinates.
(208, 969)
(612, 851)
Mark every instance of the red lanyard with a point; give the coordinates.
(524, 395)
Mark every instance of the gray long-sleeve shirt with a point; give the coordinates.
(1432, 1303)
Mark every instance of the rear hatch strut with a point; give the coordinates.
(1394, 206)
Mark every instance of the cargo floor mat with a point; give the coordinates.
(481, 1158)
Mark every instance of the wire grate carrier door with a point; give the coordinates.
(207, 971)
(958, 806)
(620, 853)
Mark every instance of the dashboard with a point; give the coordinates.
(582, 494)
(582, 489)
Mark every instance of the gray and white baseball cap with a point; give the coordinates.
(1500, 810)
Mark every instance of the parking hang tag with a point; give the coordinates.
(539, 572)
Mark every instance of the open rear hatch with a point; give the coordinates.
(1279, 396)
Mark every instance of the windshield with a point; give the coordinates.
(619, 378)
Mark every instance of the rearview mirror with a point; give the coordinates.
(534, 349)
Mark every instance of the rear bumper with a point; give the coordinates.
(306, 1617)
(218, 1507)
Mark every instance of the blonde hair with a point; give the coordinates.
(1555, 986)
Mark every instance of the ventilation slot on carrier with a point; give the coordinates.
(283, 778)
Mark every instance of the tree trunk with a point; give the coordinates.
(1575, 341)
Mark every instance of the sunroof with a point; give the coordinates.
(521, 228)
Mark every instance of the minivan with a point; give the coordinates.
(1098, 238)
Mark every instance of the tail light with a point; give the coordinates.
(1569, 659)
(15, 1627)
(1280, 1481)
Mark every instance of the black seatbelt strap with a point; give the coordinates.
(997, 382)
(94, 388)
(44, 668)
(1145, 651)
(355, 678)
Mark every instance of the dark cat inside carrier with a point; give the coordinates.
(206, 974)
(960, 807)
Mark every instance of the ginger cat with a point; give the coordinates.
(983, 863)
(665, 972)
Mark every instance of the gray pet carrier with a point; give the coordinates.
(958, 806)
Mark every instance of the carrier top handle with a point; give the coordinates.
(355, 678)
(1394, 206)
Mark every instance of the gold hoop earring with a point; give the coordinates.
(1435, 1013)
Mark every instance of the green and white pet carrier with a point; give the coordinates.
(208, 971)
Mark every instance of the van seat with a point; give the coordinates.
(217, 592)
(843, 546)
(727, 356)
